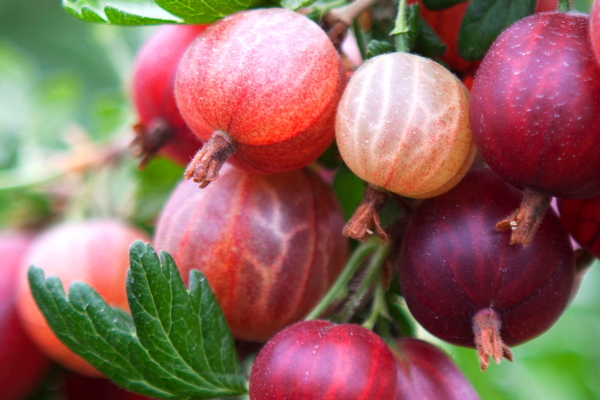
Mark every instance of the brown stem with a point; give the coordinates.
(339, 19)
(525, 221)
(149, 140)
(366, 216)
(204, 167)
(486, 328)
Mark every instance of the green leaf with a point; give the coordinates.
(427, 43)
(485, 20)
(378, 47)
(441, 4)
(413, 20)
(175, 345)
(119, 12)
(205, 11)
(296, 4)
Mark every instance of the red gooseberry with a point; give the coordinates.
(269, 245)
(534, 114)
(161, 128)
(95, 252)
(22, 364)
(319, 360)
(261, 88)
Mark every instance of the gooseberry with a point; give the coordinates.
(161, 128)
(403, 126)
(534, 113)
(22, 364)
(465, 283)
(319, 360)
(270, 246)
(95, 252)
(261, 87)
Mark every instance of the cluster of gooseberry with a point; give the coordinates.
(483, 262)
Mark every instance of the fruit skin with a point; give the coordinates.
(581, 218)
(22, 364)
(271, 80)
(535, 104)
(595, 28)
(454, 264)
(95, 252)
(427, 373)
(153, 81)
(413, 140)
(270, 246)
(318, 360)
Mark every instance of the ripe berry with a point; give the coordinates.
(261, 87)
(161, 128)
(269, 245)
(465, 283)
(402, 125)
(534, 113)
(582, 220)
(22, 364)
(426, 373)
(318, 360)
(95, 252)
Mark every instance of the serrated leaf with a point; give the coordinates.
(428, 43)
(378, 47)
(485, 20)
(175, 345)
(205, 11)
(296, 4)
(413, 19)
(119, 12)
(441, 4)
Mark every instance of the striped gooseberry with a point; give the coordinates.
(261, 88)
(402, 126)
(270, 246)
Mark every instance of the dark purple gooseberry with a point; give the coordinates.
(426, 373)
(534, 113)
(319, 360)
(465, 283)
(582, 220)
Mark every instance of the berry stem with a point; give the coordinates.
(360, 254)
(148, 141)
(207, 162)
(525, 221)
(486, 328)
(340, 19)
(401, 29)
(366, 216)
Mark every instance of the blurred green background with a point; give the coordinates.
(59, 75)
